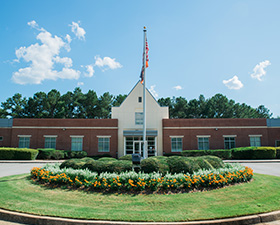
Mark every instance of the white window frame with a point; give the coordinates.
(253, 141)
(105, 142)
(178, 139)
(230, 141)
(79, 145)
(25, 143)
(139, 118)
(51, 142)
(203, 137)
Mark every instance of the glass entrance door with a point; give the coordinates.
(138, 147)
(135, 145)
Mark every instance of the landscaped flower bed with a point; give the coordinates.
(151, 182)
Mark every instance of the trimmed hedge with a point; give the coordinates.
(109, 166)
(126, 157)
(18, 153)
(75, 163)
(254, 153)
(277, 152)
(221, 153)
(50, 153)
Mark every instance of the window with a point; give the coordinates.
(203, 143)
(50, 141)
(77, 143)
(277, 143)
(255, 140)
(229, 142)
(103, 144)
(176, 144)
(24, 141)
(139, 118)
(139, 99)
(1, 138)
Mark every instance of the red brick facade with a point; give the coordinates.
(216, 129)
(91, 129)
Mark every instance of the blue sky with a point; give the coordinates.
(196, 47)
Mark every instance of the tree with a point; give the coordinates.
(104, 106)
(35, 107)
(90, 103)
(14, 106)
(118, 100)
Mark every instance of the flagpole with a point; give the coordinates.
(144, 97)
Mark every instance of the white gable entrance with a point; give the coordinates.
(130, 123)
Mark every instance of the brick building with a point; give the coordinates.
(122, 134)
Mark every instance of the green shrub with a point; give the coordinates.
(254, 153)
(179, 164)
(101, 156)
(108, 166)
(50, 153)
(216, 162)
(221, 153)
(149, 165)
(126, 157)
(94, 166)
(190, 153)
(18, 153)
(277, 152)
(77, 154)
(199, 163)
(105, 159)
(75, 163)
(171, 154)
(120, 166)
(163, 165)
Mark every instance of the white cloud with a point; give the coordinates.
(259, 71)
(90, 71)
(67, 45)
(65, 60)
(153, 91)
(80, 83)
(42, 58)
(233, 83)
(78, 31)
(178, 87)
(68, 38)
(34, 25)
(107, 62)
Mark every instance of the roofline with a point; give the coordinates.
(148, 92)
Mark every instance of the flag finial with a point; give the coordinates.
(145, 28)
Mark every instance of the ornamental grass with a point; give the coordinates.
(134, 182)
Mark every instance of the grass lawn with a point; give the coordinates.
(18, 193)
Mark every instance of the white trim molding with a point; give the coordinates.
(24, 135)
(200, 128)
(177, 136)
(64, 128)
(230, 135)
(103, 136)
(203, 136)
(76, 136)
(255, 135)
(50, 136)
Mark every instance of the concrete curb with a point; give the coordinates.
(253, 161)
(31, 161)
(46, 220)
